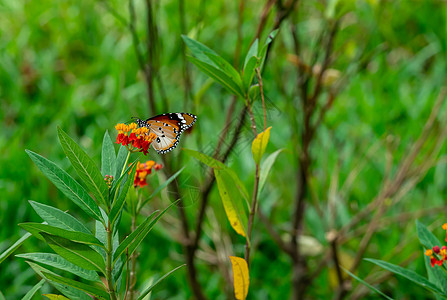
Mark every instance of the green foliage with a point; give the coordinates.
(79, 251)
(72, 64)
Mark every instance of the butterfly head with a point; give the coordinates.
(139, 122)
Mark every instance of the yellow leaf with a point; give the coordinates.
(231, 201)
(55, 297)
(240, 277)
(259, 144)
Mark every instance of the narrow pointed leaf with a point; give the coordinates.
(215, 164)
(66, 184)
(35, 288)
(136, 237)
(59, 262)
(14, 247)
(226, 81)
(78, 254)
(108, 157)
(409, 274)
(149, 289)
(120, 160)
(198, 49)
(85, 167)
(132, 237)
(92, 290)
(426, 238)
(263, 52)
(205, 159)
(368, 285)
(68, 291)
(241, 279)
(75, 236)
(117, 183)
(436, 275)
(225, 67)
(249, 72)
(259, 144)
(165, 184)
(232, 201)
(118, 204)
(57, 218)
(266, 166)
(55, 297)
(252, 52)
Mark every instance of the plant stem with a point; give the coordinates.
(133, 259)
(109, 253)
(252, 216)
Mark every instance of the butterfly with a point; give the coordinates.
(168, 128)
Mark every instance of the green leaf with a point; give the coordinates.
(56, 217)
(232, 201)
(262, 54)
(118, 204)
(161, 187)
(108, 158)
(68, 291)
(14, 247)
(215, 164)
(205, 159)
(92, 290)
(219, 76)
(252, 52)
(59, 262)
(367, 285)
(225, 67)
(426, 237)
(132, 237)
(149, 289)
(78, 254)
(198, 49)
(409, 274)
(259, 144)
(55, 297)
(85, 167)
(136, 237)
(67, 185)
(266, 166)
(125, 173)
(37, 229)
(35, 288)
(249, 72)
(436, 275)
(120, 160)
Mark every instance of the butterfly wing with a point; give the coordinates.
(168, 128)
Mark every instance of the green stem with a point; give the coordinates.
(109, 253)
(122, 172)
(252, 216)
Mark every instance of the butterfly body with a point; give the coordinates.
(168, 128)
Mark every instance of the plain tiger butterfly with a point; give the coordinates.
(168, 128)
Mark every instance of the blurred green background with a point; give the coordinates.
(72, 64)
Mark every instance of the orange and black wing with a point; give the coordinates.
(168, 128)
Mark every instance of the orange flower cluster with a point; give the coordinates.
(139, 138)
(440, 252)
(143, 170)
